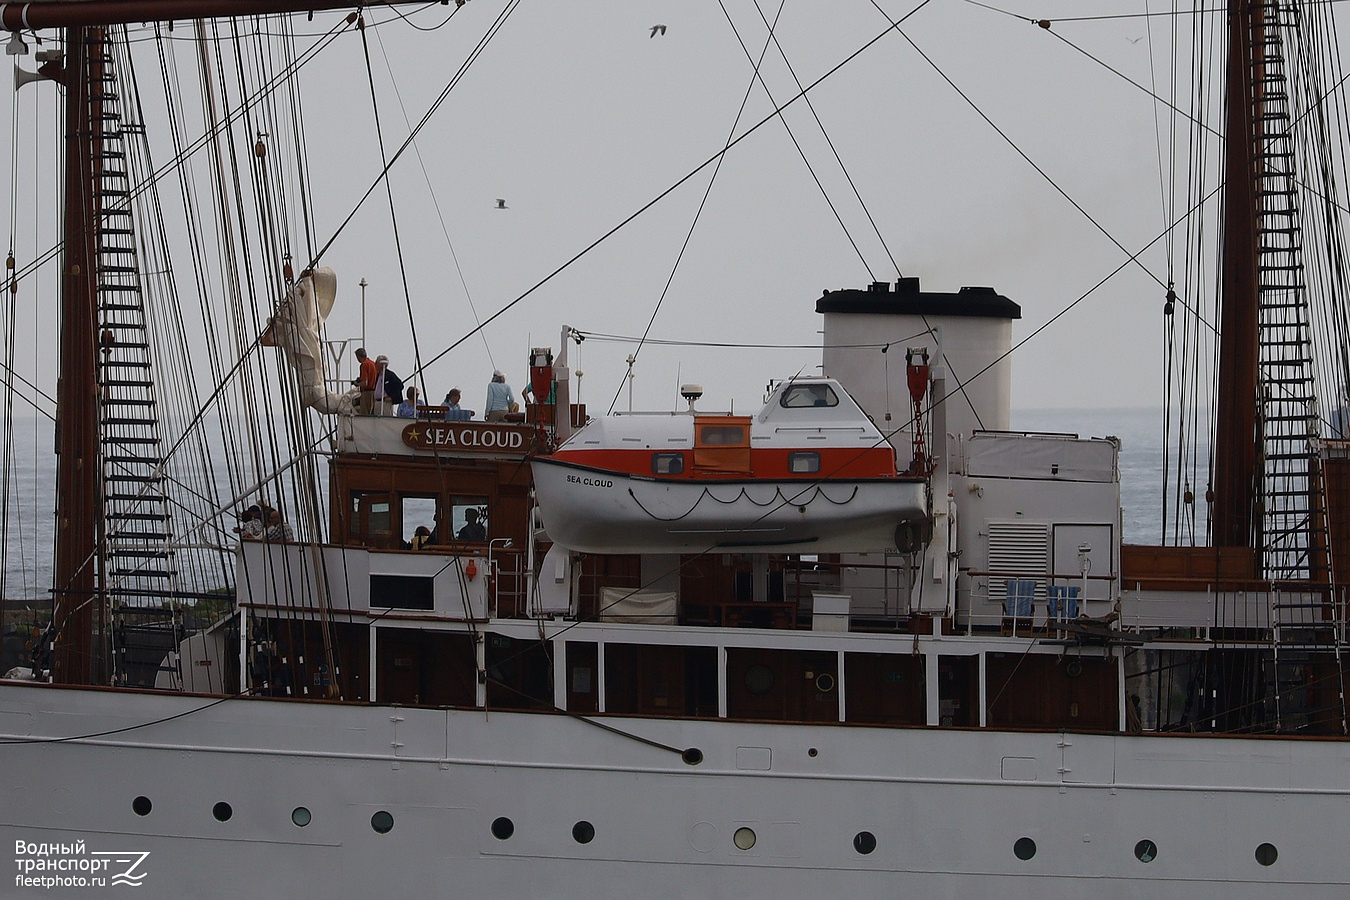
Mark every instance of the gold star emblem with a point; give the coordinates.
(415, 434)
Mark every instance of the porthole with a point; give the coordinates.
(503, 828)
(583, 832)
(813, 752)
(1025, 848)
(1266, 854)
(693, 756)
(141, 806)
(1146, 851)
(825, 682)
(382, 822)
(759, 680)
(864, 842)
(300, 816)
(744, 838)
(222, 811)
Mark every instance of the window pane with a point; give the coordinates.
(723, 435)
(667, 463)
(809, 395)
(803, 463)
(469, 518)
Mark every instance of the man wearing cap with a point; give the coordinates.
(499, 398)
(389, 393)
(453, 412)
(366, 380)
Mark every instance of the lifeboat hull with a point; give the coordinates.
(594, 510)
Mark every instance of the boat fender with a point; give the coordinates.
(471, 571)
(911, 536)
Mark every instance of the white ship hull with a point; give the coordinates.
(662, 827)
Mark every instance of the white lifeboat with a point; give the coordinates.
(809, 474)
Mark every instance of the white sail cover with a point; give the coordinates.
(295, 329)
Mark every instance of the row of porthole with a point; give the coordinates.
(583, 832)
(1145, 851)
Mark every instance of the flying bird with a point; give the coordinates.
(658, 29)
(501, 204)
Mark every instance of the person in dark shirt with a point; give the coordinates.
(473, 530)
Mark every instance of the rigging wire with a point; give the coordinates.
(707, 191)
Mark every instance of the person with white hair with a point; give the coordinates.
(500, 397)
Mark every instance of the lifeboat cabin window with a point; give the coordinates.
(667, 463)
(799, 395)
(804, 463)
(722, 444)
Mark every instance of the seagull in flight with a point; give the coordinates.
(501, 204)
(658, 29)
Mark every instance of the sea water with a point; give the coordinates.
(28, 526)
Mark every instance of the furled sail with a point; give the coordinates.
(295, 329)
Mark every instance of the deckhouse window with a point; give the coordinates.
(469, 519)
(371, 523)
(803, 463)
(799, 395)
(667, 463)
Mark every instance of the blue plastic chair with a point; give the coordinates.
(1063, 602)
(1020, 597)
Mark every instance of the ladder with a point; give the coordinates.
(136, 533)
(1304, 682)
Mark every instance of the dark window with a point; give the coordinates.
(222, 811)
(583, 832)
(1146, 851)
(803, 463)
(1266, 854)
(141, 806)
(864, 842)
(722, 436)
(800, 395)
(300, 816)
(402, 592)
(503, 828)
(1025, 848)
(382, 822)
(667, 463)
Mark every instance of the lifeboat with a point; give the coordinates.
(810, 473)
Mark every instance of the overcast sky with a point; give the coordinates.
(577, 116)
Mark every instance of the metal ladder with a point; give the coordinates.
(137, 559)
(1306, 631)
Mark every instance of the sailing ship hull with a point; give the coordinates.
(598, 511)
(662, 827)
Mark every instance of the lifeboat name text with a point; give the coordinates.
(590, 482)
(470, 438)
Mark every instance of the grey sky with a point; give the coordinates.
(577, 117)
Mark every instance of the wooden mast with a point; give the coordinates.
(78, 477)
(1236, 463)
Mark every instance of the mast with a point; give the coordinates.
(78, 476)
(1236, 438)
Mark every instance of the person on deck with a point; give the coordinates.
(250, 527)
(473, 530)
(409, 409)
(421, 537)
(366, 380)
(453, 412)
(500, 398)
(277, 530)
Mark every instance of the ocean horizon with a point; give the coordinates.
(29, 485)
